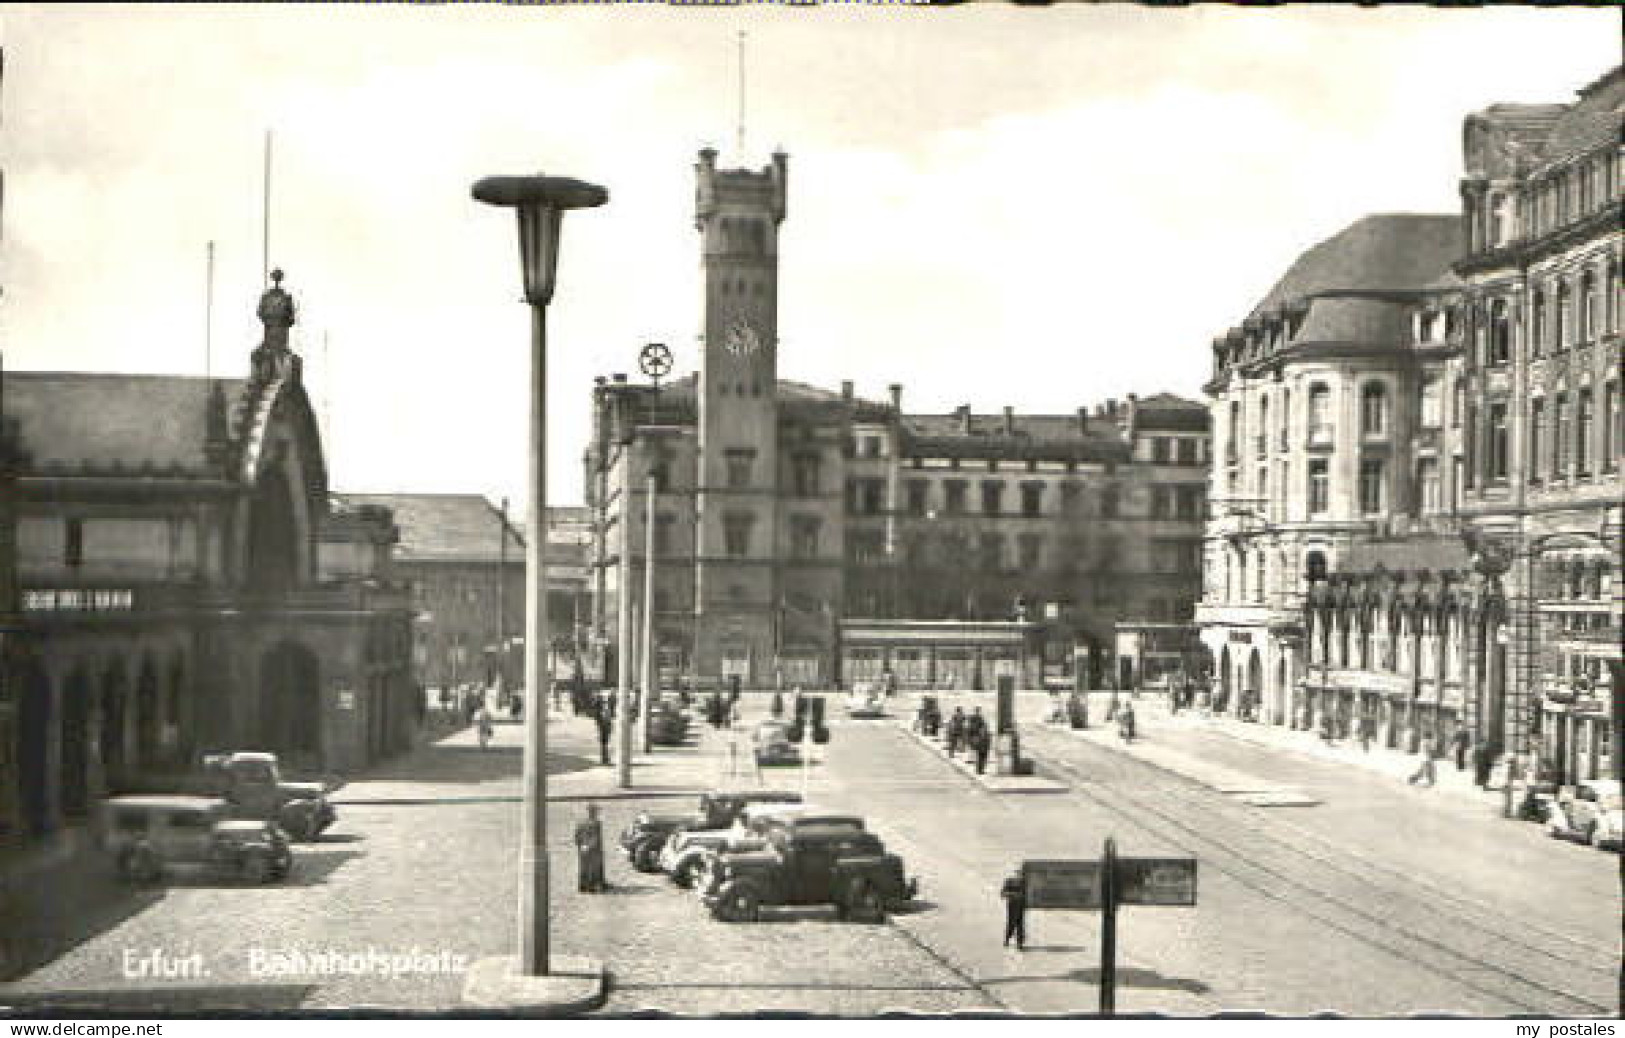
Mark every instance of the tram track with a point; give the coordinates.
(1396, 930)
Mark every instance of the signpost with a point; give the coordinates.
(1103, 884)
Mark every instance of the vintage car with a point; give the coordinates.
(809, 865)
(867, 701)
(1588, 811)
(668, 724)
(252, 784)
(773, 746)
(144, 835)
(687, 856)
(648, 833)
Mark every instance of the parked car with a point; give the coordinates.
(773, 745)
(866, 701)
(648, 833)
(252, 784)
(668, 725)
(1588, 811)
(687, 857)
(810, 865)
(144, 835)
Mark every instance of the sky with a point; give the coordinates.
(991, 205)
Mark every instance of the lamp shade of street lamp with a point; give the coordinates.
(540, 201)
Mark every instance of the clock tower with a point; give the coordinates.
(738, 212)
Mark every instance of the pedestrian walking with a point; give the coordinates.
(1125, 722)
(1483, 763)
(1368, 731)
(482, 722)
(602, 719)
(1014, 892)
(981, 743)
(1427, 773)
(590, 853)
(1460, 742)
(956, 730)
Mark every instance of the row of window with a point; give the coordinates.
(1546, 204)
(1374, 419)
(1561, 433)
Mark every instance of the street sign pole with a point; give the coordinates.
(1108, 930)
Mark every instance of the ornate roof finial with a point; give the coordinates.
(277, 312)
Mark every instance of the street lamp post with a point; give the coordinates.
(540, 202)
(655, 360)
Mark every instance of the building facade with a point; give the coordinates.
(190, 585)
(1433, 542)
(802, 536)
(464, 560)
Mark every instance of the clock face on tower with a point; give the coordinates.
(743, 340)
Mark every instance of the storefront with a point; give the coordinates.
(941, 654)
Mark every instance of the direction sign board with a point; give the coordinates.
(1156, 881)
(1063, 884)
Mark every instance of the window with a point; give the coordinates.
(73, 544)
(1319, 486)
(1232, 449)
(1537, 439)
(1374, 409)
(736, 533)
(1071, 499)
(804, 537)
(1432, 402)
(1582, 433)
(1469, 443)
(954, 497)
(1537, 324)
(1030, 547)
(1188, 502)
(739, 461)
(992, 551)
(1500, 333)
(1320, 406)
(1286, 416)
(1610, 296)
(1185, 452)
(867, 546)
(805, 473)
(663, 521)
(1560, 437)
(1262, 483)
(1032, 500)
(1611, 433)
(1499, 452)
(1371, 486)
(1458, 404)
(917, 490)
(872, 496)
(1160, 452)
(1563, 335)
(1589, 323)
(992, 497)
(1427, 482)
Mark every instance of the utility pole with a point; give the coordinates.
(648, 609)
(502, 601)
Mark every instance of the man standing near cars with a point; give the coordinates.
(589, 838)
(604, 721)
(1014, 892)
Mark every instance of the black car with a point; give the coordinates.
(643, 839)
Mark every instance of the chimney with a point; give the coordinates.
(896, 391)
(618, 378)
(962, 412)
(1083, 421)
(1131, 413)
(846, 390)
(1111, 408)
(1009, 420)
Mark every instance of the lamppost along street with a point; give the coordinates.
(655, 360)
(540, 202)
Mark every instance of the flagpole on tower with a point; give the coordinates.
(741, 95)
(265, 214)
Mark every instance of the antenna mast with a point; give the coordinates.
(741, 95)
(208, 314)
(265, 215)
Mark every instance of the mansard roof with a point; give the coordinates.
(1384, 252)
(1589, 123)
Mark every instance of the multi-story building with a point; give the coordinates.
(802, 535)
(1456, 518)
(189, 584)
(464, 559)
(1317, 406)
